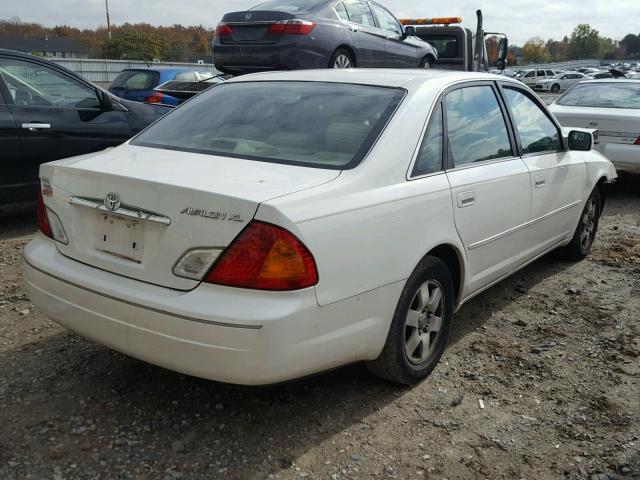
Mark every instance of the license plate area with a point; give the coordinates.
(121, 237)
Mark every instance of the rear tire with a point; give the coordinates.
(585, 233)
(426, 63)
(420, 327)
(341, 59)
(555, 88)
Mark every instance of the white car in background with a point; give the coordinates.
(286, 223)
(532, 76)
(613, 107)
(560, 81)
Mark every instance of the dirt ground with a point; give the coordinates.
(553, 353)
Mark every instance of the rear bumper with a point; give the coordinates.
(626, 158)
(219, 333)
(240, 59)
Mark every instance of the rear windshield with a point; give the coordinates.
(326, 125)
(605, 95)
(289, 6)
(132, 80)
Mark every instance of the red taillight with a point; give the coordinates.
(637, 142)
(154, 98)
(292, 27)
(265, 257)
(224, 30)
(43, 218)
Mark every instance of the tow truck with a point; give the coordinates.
(458, 47)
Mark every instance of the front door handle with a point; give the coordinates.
(34, 127)
(541, 181)
(466, 199)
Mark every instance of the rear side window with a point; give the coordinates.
(537, 132)
(133, 80)
(341, 11)
(475, 125)
(324, 125)
(430, 155)
(359, 12)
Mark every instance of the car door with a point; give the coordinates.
(57, 115)
(368, 39)
(398, 52)
(557, 176)
(12, 177)
(490, 184)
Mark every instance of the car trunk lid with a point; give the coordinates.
(614, 125)
(169, 202)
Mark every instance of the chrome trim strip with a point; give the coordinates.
(524, 225)
(144, 307)
(127, 211)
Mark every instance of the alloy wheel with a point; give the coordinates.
(588, 221)
(342, 61)
(424, 321)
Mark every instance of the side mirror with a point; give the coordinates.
(109, 104)
(580, 141)
(409, 31)
(503, 50)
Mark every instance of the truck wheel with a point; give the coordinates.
(341, 58)
(426, 63)
(420, 327)
(585, 233)
(555, 88)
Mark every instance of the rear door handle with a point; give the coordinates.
(541, 181)
(34, 127)
(466, 199)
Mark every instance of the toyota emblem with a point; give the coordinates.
(112, 201)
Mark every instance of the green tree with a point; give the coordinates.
(135, 42)
(584, 42)
(535, 51)
(631, 44)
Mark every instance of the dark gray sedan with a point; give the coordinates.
(299, 34)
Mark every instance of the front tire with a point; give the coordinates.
(426, 63)
(342, 59)
(585, 233)
(420, 327)
(555, 88)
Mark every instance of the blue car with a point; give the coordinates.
(138, 84)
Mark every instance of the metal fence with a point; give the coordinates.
(570, 65)
(104, 71)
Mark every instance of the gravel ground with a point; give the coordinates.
(553, 353)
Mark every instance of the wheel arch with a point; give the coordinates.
(350, 49)
(454, 260)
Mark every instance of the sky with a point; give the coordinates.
(519, 19)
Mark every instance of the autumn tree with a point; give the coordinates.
(535, 51)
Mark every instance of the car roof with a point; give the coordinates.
(383, 77)
(614, 80)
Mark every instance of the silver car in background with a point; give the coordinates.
(613, 107)
(560, 81)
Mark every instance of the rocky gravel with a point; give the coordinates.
(541, 380)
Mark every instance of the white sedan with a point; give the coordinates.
(560, 81)
(612, 107)
(283, 224)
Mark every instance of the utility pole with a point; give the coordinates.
(106, 4)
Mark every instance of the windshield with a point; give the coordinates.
(558, 75)
(325, 125)
(605, 95)
(289, 6)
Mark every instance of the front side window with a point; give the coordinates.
(530, 74)
(323, 125)
(430, 155)
(537, 132)
(359, 12)
(34, 85)
(604, 95)
(475, 125)
(386, 20)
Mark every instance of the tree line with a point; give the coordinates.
(585, 42)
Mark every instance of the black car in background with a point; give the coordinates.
(300, 34)
(48, 112)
